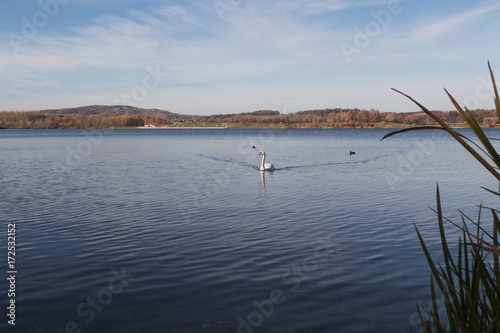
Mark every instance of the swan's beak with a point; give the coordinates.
(259, 154)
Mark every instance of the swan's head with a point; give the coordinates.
(261, 153)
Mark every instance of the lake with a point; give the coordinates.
(178, 230)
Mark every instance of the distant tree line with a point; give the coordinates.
(334, 117)
(351, 117)
(37, 120)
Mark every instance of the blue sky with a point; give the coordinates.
(229, 56)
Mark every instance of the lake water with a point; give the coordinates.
(179, 231)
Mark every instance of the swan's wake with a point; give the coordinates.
(292, 167)
(230, 160)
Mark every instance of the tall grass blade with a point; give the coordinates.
(496, 99)
(470, 286)
(455, 135)
(473, 124)
(496, 259)
(411, 129)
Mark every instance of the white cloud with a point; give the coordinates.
(110, 43)
(437, 28)
(180, 15)
(312, 7)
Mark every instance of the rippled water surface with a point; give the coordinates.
(179, 231)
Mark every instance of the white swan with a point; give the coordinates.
(265, 166)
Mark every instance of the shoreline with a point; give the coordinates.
(170, 127)
(235, 128)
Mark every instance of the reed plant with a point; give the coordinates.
(468, 282)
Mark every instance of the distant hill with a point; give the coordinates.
(115, 110)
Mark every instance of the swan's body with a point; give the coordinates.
(265, 166)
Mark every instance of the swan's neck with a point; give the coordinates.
(263, 161)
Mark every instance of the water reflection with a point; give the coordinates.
(262, 183)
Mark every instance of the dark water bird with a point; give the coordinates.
(253, 147)
(351, 152)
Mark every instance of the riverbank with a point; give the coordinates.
(289, 126)
(182, 127)
(248, 126)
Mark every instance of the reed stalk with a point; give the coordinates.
(469, 283)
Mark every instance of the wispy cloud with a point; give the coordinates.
(439, 27)
(110, 42)
(180, 15)
(312, 7)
